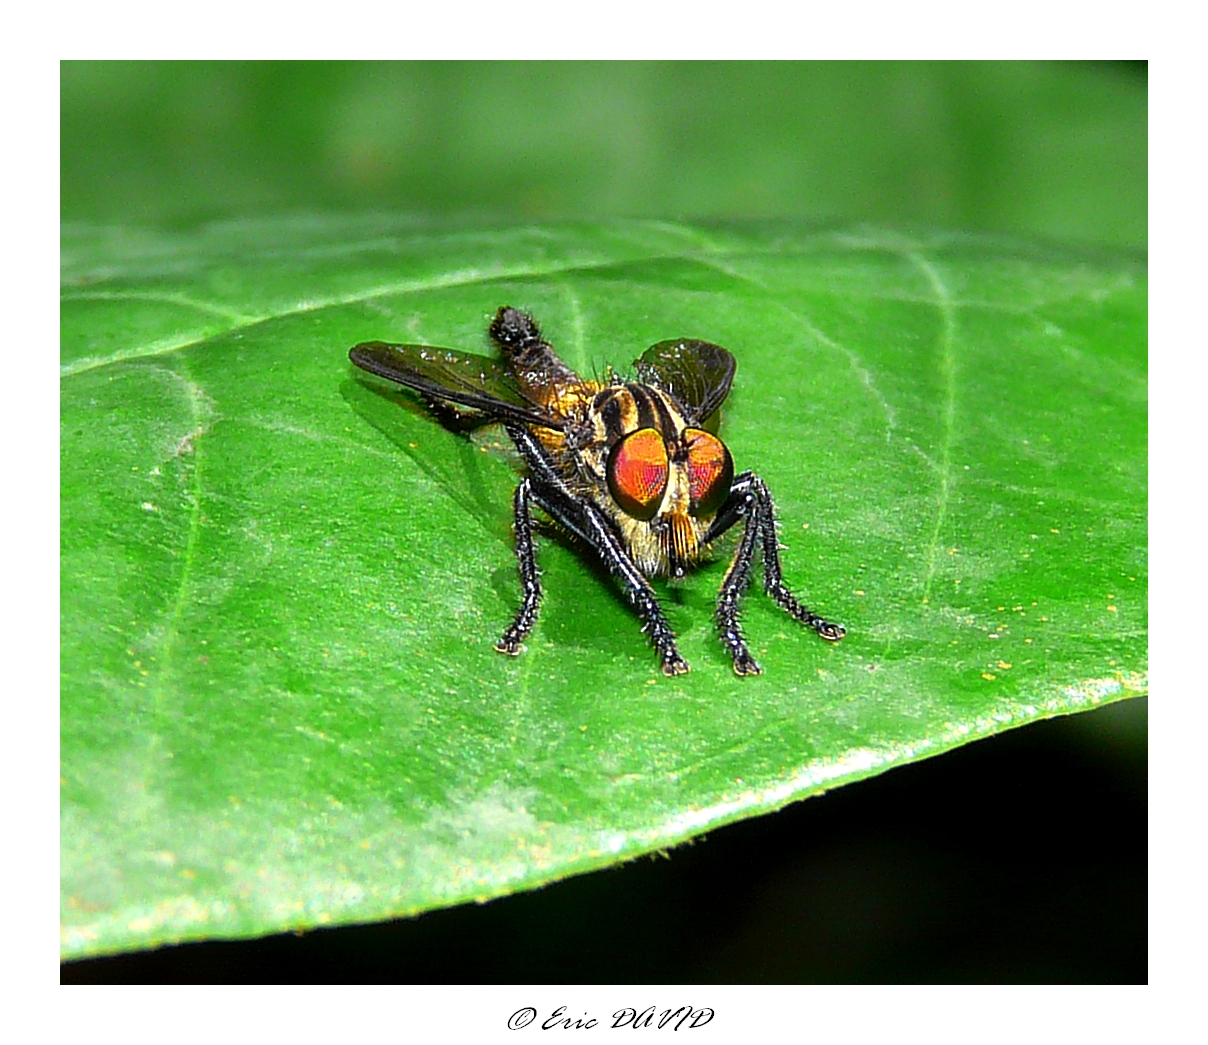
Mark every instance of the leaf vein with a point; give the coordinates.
(943, 301)
(862, 372)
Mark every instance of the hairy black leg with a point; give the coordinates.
(751, 502)
(735, 582)
(529, 577)
(641, 595)
(538, 461)
(589, 523)
(736, 507)
(773, 582)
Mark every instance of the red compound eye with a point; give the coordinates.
(710, 471)
(637, 473)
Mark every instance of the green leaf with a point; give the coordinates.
(282, 582)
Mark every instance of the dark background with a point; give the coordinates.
(1019, 858)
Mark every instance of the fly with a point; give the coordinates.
(631, 468)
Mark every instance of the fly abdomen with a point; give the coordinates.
(533, 360)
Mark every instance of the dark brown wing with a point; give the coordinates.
(697, 373)
(454, 377)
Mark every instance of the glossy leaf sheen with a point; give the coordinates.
(281, 582)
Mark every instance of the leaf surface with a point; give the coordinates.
(281, 581)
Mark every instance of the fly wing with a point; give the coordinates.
(459, 379)
(697, 373)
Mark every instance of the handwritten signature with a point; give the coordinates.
(649, 1018)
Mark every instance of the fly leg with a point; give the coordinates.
(588, 522)
(750, 502)
(773, 583)
(742, 503)
(530, 581)
(639, 592)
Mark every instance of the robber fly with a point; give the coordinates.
(628, 467)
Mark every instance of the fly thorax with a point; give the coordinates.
(580, 435)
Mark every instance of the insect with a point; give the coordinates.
(629, 467)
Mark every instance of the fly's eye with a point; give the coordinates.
(710, 471)
(637, 473)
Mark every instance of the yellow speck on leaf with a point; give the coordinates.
(1111, 608)
(1004, 665)
(988, 677)
(1054, 531)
